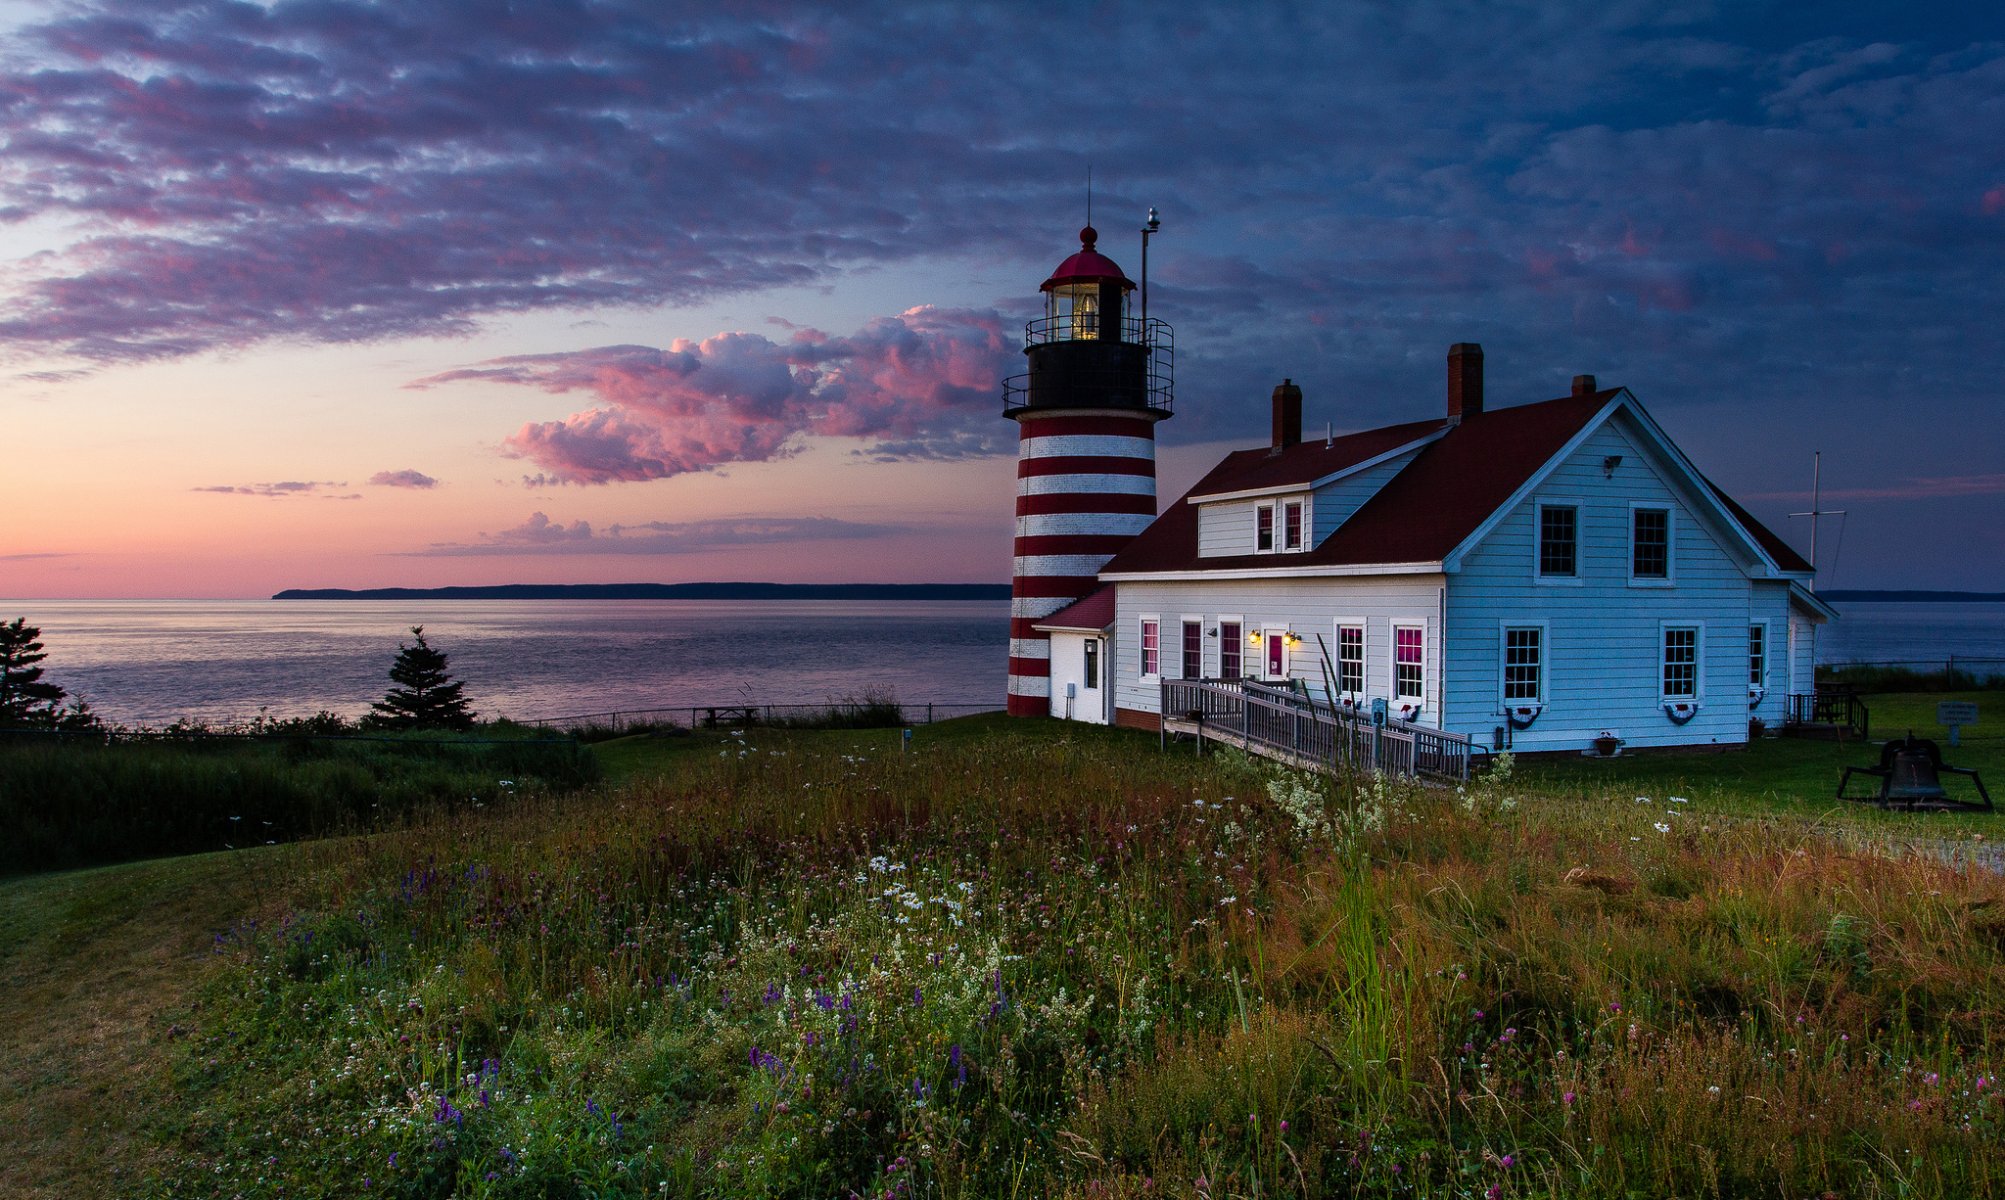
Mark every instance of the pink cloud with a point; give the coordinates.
(920, 384)
(1994, 201)
(292, 487)
(1922, 488)
(405, 478)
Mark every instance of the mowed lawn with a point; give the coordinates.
(1079, 966)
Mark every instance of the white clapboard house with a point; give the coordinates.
(1537, 576)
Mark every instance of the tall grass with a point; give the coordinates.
(1037, 964)
(76, 800)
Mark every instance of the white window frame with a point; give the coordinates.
(1225, 619)
(1504, 630)
(1183, 625)
(1579, 542)
(1698, 629)
(1392, 662)
(1144, 620)
(1273, 515)
(1092, 664)
(1301, 506)
(1363, 627)
(1767, 653)
(1271, 636)
(1670, 576)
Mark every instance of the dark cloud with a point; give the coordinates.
(540, 535)
(289, 488)
(918, 385)
(406, 478)
(44, 554)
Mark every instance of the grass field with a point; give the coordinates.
(1032, 960)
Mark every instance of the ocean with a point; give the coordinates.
(150, 662)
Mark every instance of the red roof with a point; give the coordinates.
(1087, 266)
(1095, 611)
(1453, 485)
(1783, 554)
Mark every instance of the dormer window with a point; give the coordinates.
(1281, 526)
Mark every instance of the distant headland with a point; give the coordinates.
(667, 591)
(1869, 596)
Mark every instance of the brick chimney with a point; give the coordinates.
(1465, 381)
(1583, 385)
(1287, 415)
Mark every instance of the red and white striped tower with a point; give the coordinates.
(1098, 381)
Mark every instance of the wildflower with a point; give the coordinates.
(1506, 1161)
(1566, 1098)
(1660, 827)
(1679, 800)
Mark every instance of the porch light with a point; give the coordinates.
(1253, 637)
(1292, 638)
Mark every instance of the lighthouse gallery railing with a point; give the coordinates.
(1286, 725)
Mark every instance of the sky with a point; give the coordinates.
(322, 293)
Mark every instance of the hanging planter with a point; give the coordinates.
(1755, 694)
(1608, 745)
(1522, 715)
(1409, 712)
(1681, 711)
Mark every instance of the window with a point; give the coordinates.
(1681, 662)
(1092, 663)
(1276, 643)
(1409, 663)
(1559, 540)
(1263, 528)
(1291, 525)
(1193, 647)
(1151, 647)
(1524, 664)
(1351, 659)
(1757, 655)
(1228, 649)
(1650, 543)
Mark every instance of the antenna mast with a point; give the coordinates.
(1817, 511)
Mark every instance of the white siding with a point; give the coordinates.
(1225, 527)
(1068, 667)
(1310, 607)
(1603, 656)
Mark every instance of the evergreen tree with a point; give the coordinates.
(24, 698)
(426, 697)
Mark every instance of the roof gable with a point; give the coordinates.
(1421, 515)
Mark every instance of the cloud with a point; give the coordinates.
(406, 478)
(43, 554)
(325, 490)
(922, 384)
(1935, 488)
(540, 535)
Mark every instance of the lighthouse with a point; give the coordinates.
(1098, 379)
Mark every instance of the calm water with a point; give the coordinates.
(151, 661)
(1924, 634)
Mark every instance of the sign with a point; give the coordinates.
(1955, 714)
(1378, 710)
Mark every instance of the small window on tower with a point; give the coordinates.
(1086, 315)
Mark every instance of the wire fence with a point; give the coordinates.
(1950, 670)
(838, 714)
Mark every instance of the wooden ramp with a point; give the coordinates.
(1287, 728)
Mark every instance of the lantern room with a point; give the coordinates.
(1087, 351)
(1085, 298)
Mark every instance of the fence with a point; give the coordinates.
(1279, 724)
(884, 713)
(1950, 671)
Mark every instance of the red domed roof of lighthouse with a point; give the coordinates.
(1087, 266)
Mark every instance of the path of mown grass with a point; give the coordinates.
(1022, 959)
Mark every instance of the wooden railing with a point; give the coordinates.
(1280, 724)
(1838, 707)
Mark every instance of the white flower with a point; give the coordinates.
(1660, 827)
(1679, 800)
